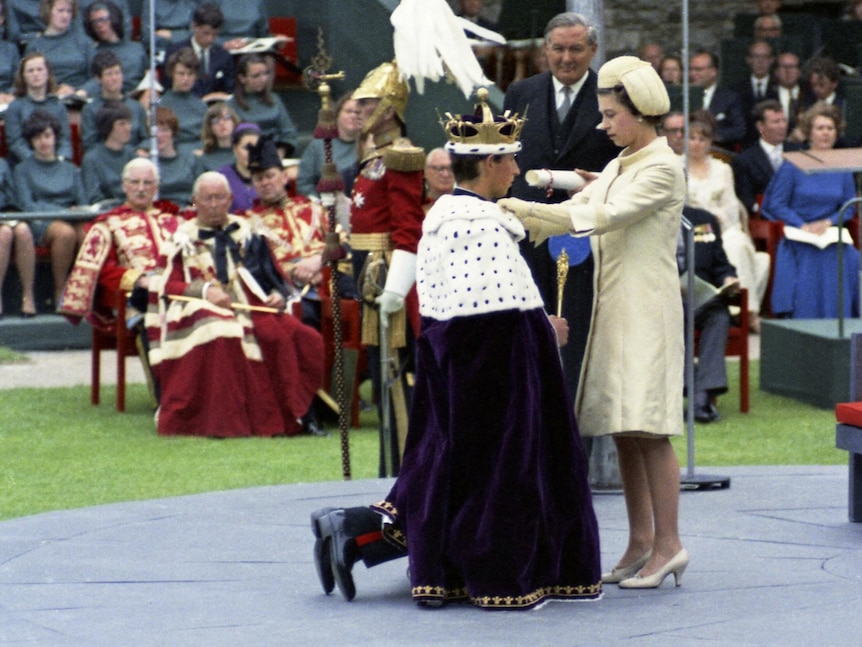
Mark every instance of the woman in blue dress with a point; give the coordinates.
(806, 275)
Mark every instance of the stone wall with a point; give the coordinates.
(630, 23)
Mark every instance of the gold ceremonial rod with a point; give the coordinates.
(234, 306)
(562, 273)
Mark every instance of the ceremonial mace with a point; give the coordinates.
(562, 273)
(316, 78)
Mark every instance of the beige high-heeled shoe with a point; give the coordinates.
(676, 565)
(625, 572)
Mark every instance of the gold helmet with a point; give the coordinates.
(385, 83)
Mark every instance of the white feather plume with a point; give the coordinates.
(427, 36)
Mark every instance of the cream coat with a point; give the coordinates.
(632, 376)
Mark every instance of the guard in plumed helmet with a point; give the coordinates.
(492, 502)
(386, 223)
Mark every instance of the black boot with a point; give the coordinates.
(342, 551)
(322, 560)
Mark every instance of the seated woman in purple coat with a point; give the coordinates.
(238, 174)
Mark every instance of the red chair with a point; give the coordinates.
(285, 26)
(737, 344)
(766, 235)
(111, 333)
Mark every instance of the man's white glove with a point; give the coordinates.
(400, 277)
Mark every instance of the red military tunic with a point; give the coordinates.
(387, 201)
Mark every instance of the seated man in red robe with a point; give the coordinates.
(121, 250)
(229, 360)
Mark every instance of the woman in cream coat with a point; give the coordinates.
(632, 376)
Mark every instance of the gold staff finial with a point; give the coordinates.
(562, 273)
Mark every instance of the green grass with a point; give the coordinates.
(59, 452)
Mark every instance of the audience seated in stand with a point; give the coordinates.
(238, 174)
(854, 10)
(439, 179)
(652, 53)
(723, 103)
(225, 370)
(44, 182)
(344, 150)
(103, 162)
(15, 235)
(759, 85)
(182, 68)
(472, 10)
(216, 137)
(108, 71)
(124, 25)
(254, 101)
(670, 69)
(806, 277)
(35, 89)
(215, 77)
(173, 22)
(754, 167)
(242, 21)
(712, 319)
(176, 167)
(9, 59)
(788, 71)
(69, 51)
(25, 20)
(822, 77)
(767, 26)
(103, 23)
(710, 187)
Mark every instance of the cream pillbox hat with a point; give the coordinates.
(642, 83)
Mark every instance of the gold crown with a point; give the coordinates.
(483, 133)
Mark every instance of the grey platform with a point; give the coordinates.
(774, 562)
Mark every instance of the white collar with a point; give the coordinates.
(576, 87)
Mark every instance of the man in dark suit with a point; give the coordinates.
(723, 103)
(754, 167)
(712, 319)
(560, 133)
(216, 76)
(788, 72)
(759, 86)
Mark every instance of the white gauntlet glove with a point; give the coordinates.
(541, 220)
(400, 277)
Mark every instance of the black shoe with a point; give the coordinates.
(707, 413)
(311, 427)
(342, 551)
(322, 560)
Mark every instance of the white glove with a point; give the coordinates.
(541, 220)
(389, 302)
(400, 277)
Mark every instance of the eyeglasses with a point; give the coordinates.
(441, 169)
(99, 19)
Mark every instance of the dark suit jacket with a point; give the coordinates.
(752, 171)
(221, 73)
(584, 146)
(748, 100)
(726, 107)
(577, 145)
